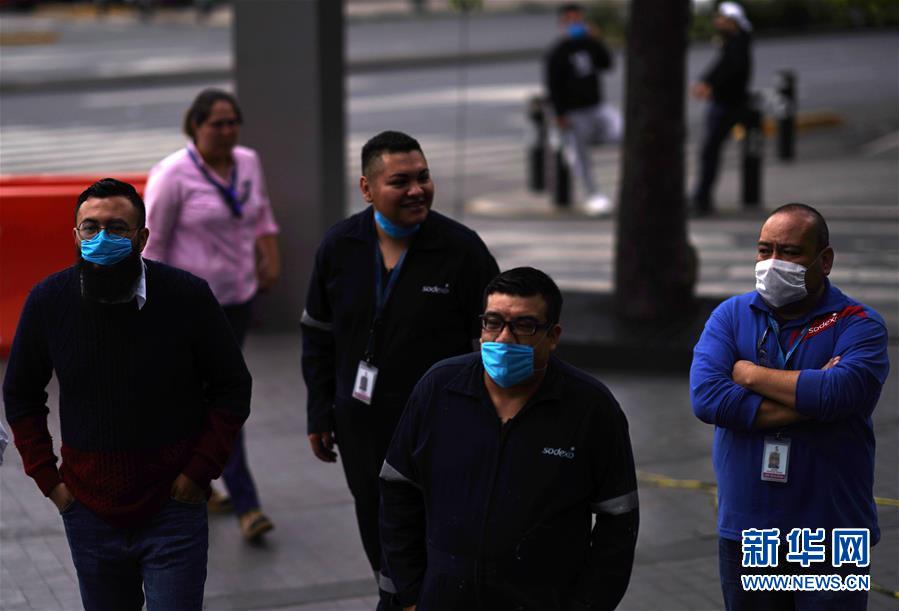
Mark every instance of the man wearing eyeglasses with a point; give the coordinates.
(790, 374)
(153, 390)
(510, 454)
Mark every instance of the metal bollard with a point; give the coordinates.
(562, 173)
(536, 145)
(786, 120)
(753, 152)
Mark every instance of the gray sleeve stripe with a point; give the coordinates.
(390, 474)
(316, 324)
(618, 505)
(386, 583)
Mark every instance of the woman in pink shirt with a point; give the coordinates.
(209, 213)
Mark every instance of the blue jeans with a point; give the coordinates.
(167, 556)
(236, 474)
(730, 557)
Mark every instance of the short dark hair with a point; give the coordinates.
(527, 282)
(201, 108)
(822, 233)
(110, 187)
(570, 7)
(386, 142)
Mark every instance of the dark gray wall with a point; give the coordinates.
(288, 63)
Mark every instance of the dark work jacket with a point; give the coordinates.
(572, 73)
(509, 506)
(729, 76)
(432, 312)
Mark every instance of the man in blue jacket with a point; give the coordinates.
(510, 453)
(789, 374)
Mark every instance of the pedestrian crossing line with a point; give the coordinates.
(111, 163)
(73, 148)
(575, 238)
(133, 150)
(36, 149)
(40, 136)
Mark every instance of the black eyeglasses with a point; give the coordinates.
(523, 327)
(88, 229)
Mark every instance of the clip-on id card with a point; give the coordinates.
(776, 459)
(364, 388)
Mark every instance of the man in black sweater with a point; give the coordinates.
(724, 84)
(153, 390)
(573, 67)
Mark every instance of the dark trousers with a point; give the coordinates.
(362, 441)
(164, 559)
(719, 120)
(730, 556)
(363, 435)
(236, 474)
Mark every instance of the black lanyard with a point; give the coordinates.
(382, 296)
(229, 193)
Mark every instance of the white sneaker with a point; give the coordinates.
(598, 204)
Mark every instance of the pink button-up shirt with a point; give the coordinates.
(192, 227)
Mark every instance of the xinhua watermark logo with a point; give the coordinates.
(806, 547)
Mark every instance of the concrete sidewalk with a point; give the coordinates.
(853, 184)
(313, 559)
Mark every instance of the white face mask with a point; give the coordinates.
(780, 282)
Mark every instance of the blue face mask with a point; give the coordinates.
(577, 30)
(507, 364)
(105, 249)
(392, 229)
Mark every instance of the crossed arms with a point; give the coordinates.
(731, 392)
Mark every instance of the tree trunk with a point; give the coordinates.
(655, 267)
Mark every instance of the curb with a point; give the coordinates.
(114, 81)
(355, 66)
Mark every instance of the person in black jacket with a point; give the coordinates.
(498, 465)
(573, 67)
(395, 288)
(725, 85)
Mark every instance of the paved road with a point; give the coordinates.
(313, 561)
(474, 137)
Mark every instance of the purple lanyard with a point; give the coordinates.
(229, 193)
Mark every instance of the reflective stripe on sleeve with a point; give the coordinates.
(618, 505)
(390, 474)
(315, 324)
(386, 583)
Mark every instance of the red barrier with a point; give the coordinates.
(36, 238)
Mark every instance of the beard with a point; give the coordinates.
(110, 283)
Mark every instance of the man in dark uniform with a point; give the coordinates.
(724, 84)
(573, 67)
(509, 453)
(395, 288)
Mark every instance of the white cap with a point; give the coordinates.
(735, 12)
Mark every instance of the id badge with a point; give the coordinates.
(776, 459)
(364, 387)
